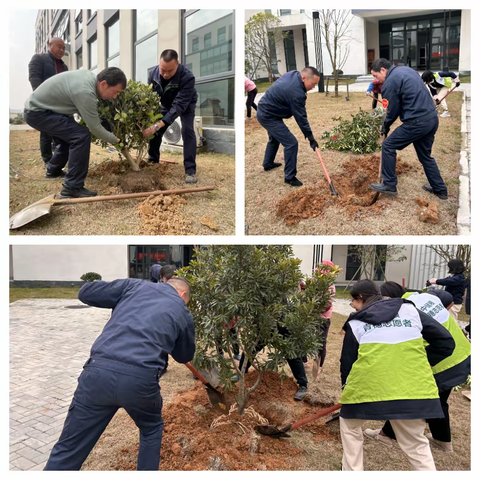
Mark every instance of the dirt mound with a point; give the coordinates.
(162, 215)
(353, 186)
(142, 181)
(110, 167)
(190, 444)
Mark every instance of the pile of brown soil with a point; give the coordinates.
(190, 444)
(106, 168)
(161, 215)
(353, 186)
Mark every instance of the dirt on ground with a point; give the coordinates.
(271, 205)
(109, 176)
(190, 444)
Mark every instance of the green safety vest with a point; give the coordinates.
(392, 362)
(445, 81)
(432, 306)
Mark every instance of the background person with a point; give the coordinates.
(175, 85)
(42, 66)
(375, 88)
(440, 84)
(125, 366)
(251, 91)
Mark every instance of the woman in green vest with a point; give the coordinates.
(440, 84)
(448, 373)
(386, 373)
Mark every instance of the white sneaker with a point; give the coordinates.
(445, 114)
(375, 435)
(444, 446)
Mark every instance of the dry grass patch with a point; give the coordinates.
(264, 191)
(108, 176)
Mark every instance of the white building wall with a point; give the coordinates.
(305, 254)
(68, 262)
(299, 53)
(465, 64)
(126, 42)
(373, 38)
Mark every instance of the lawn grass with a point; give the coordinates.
(263, 86)
(465, 78)
(21, 293)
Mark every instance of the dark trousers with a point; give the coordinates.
(322, 353)
(374, 101)
(100, 393)
(46, 146)
(189, 142)
(278, 133)
(296, 364)
(439, 427)
(251, 101)
(73, 144)
(422, 134)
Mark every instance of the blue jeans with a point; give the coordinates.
(73, 144)
(103, 387)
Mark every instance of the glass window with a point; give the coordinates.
(79, 59)
(412, 25)
(78, 24)
(398, 26)
(210, 58)
(216, 102)
(146, 23)
(91, 13)
(412, 49)
(92, 53)
(146, 57)
(424, 24)
(397, 39)
(385, 39)
(285, 12)
(114, 62)
(113, 39)
(437, 22)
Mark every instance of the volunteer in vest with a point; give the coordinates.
(448, 373)
(386, 373)
(42, 66)
(455, 284)
(408, 99)
(251, 91)
(286, 98)
(125, 366)
(175, 85)
(440, 84)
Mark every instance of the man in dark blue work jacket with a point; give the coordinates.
(409, 99)
(175, 85)
(126, 361)
(284, 99)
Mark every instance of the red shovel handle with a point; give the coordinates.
(322, 413)
(196, 373)
(446, 95)
(323, 165)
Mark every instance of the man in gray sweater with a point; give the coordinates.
(50, 109)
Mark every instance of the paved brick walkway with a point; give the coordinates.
(49, 343)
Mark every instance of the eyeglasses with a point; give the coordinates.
(351, 304)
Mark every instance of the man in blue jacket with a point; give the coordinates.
(126, 362)
(175, 85)
(409, 99)
(284, 99)
(42, 66)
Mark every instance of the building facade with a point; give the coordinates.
(133, 40)
(421, 39)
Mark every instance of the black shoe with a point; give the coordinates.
(272, 166)
(294, 182)
(152, 160)
(429, 189)
(57, 174)
(382, 188)
(68, 192)
(302, 391)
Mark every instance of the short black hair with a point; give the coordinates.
(427, 76)
(180, 284)
(169, 55)
(167, 271)
(455, 266)
(311, 71)
(113, 76)
(392, 290)
(380, 63)
(366, 290)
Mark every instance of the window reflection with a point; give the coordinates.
(146, 22)
(146, 57)
(216, 102)
(92, 53)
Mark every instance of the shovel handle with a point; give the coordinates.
(322, 413)
(196, 373)
(323, 165)
(124, 196)
(439, 101)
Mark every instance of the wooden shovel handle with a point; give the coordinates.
(196, 373)
(124, 196)
(322, 413)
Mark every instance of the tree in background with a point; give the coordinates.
(449, 252)
(241, 295)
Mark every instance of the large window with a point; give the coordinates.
(92, 53)
(146, 43)
(78, 22)
(216, 102)
(79, 59)
(113, 44)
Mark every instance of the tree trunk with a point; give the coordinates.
(133, 164)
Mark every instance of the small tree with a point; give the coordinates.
(262, 32)
(334, 25)
(90, 277)
(135, 109)
(449, 252)
(242, 294)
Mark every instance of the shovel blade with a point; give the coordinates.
(217, 399)
(32, 212)
(272, 431)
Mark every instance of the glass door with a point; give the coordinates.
(289, 45)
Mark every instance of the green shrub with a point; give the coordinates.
(360, 135)
(90, 277)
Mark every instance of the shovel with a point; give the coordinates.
(275, 432)
(439, 101)
(315, 367)
(43, 206)
(332, 188)
(375, 197)
(217, 399)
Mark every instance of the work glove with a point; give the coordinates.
(367, 94)
(385, 129)
(457, 82)
(313, 143)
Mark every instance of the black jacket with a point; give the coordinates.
(177, 95)
(41, 67)
(148, 320)
(287, 97)
(454, 285)
(434, 85)
(407, 95)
